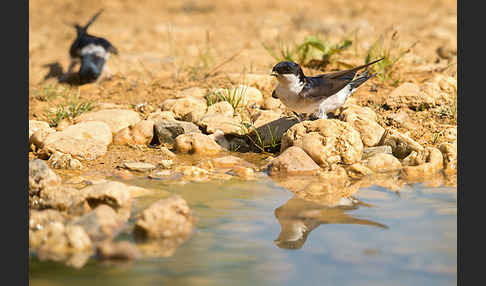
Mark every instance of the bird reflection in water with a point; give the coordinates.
(298, 217)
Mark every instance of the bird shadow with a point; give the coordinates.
(56, 71)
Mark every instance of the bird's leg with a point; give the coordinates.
(322, 114)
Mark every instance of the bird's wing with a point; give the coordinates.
(320, 87)
(106, 44)
(347, 74)
(325, 85)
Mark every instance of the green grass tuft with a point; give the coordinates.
(69, 110)
(312, 52)
(390, 50)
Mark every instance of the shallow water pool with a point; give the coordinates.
(258, 233)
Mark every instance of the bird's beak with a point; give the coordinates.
(274, 74)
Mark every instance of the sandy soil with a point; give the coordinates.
(166, 46)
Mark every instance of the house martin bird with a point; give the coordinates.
(91, 52)
(316, 95)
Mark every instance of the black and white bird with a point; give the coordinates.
(316, 95)
(91, 52)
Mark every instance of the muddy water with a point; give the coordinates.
(257, 233)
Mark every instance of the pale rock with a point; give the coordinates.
(41, 177)
(101, 223)
(59, 160)
(248, 95)
(137, 134)
(214, 122)
(401, 144)
(86, 140)
(196, 143)
(243, 172)
(326, 141)
(116, 119)
(167, 130)
(382, 163)
(167, 153)
(293, 161)
(114, 194)
(161, 115)
(370, 151)
(221, 108)
(138, 166)
(426, 164)
(186, 109)
(449, 152)
(363, 119)
(36, 125)
(165, 218)
(39, 219)
(166, 164)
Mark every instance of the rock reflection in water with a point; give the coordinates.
(298, 217)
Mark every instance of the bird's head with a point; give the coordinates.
(287, 72)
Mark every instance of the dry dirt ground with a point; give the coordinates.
(167, 46)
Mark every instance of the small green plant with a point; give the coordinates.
(312, 52)
(389, 49)
(71, 109)
(233, 96)
(258, 140)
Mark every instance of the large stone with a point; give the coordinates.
(62, 198)
(165, 218)
(39, 219)
(168, 130)
(114, 194)
(271, 132)
(116, 119)
(293, 161)
(221, 108)
(35, 125)
(422, 165)
(326, 141)
(161, 115)
(248, 96)
(449, 152)
(41, 177)
(382, 163)
(196, 143)
(59, 160)
(214, 122)
(57, 242)
(363, 119)
(370, 151)
(85, 140)
(138, 134)
(401, 144)
(187, 108)
(101, 223)
(138, 166)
